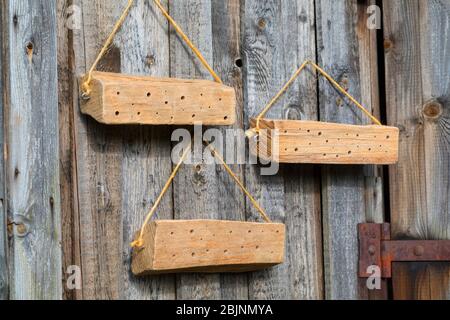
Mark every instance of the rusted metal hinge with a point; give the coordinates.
(376, 249)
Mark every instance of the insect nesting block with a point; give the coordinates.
(210, 246)
(315, 142)
(118, 99)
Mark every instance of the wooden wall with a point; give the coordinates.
(73, 191)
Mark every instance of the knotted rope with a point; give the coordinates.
(255, 131)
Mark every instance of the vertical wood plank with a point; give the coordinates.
(67, 18)
(99, 156)
(120, 169)
(147, 150)
(343, 39)
(195, 187)
(277, 37)
(32, 150)
(417, 54)
(226, 41)
(4, 277)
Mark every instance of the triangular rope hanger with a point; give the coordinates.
(291, 81)
(139, 242)
(118, 25)
(117, 99)
(299, 141)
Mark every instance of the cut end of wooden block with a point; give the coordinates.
(208, 246)
(118, 99)
(313, 142)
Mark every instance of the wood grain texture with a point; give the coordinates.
(343, 39)
(208, 246)
(197, 188)
(299, 141)
(417, 54)
(4, 277)
(32, 165)
(67, 151)
(278, 36)
(227, 61)
(119, 168)
(119, 99)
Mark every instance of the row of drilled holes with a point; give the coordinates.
(347, 134)
(337, 156)
(225, 251)
(167, 102)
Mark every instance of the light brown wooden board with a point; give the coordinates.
(417, 55)
(124, 99)
(208, 246)
(297, 141)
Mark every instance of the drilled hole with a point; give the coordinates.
(239, 63)
(118, 93)
(148, 94)
(138, 113)
(167, 102)
(225, 118)
(320, 133)
(117, 113)
(193, 116)
(183, 97)
(193, 254)
(349, 152)
(387, 137)
(192, 231)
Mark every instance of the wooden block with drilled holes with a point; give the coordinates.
(117, 99)
(209, 246)
(326, 143)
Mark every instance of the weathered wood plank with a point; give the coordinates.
(119, 169)
(278, 36)
(201, 199)
(99, 155)
(147, 150)
(4, 277)
(209, 246)
(119, 99)
(417, 54)
(67, 18)
(343, 39)
(227, 61)
(32, 162)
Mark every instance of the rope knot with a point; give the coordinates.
(139, 243)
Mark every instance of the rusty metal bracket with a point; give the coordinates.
(377, 249)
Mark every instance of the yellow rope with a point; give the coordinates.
(140, 240)
(86, 85)
(188, 42)
(119, 23)
(240, 184)
(294, 77)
